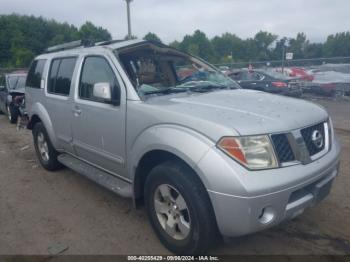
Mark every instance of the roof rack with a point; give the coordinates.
(109, 42)
(70, 45)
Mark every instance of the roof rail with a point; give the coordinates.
(109, 42)
(70, 45)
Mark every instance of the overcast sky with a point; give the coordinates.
(172, 19)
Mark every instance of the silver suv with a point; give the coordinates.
(173, 133)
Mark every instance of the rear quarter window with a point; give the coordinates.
(35, 73)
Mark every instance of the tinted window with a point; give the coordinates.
(250, 76)
(60, 77)
(96, 70)
(35, 74)
(52, 75)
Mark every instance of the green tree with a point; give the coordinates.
(228, 45)
(22, 57)
(298, 46)
(337, 45)
(88, 31)
(198, 44)
(278, 50)
(175, 44)
(263, 44)
(23, 37)
(152, 37)
(313, 50)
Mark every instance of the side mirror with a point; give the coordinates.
(103, 91)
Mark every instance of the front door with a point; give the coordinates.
(98, 126)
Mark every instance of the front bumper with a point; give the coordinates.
(268, 203)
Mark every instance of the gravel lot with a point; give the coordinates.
(43, 212)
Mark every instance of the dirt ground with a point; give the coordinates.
(48, 213)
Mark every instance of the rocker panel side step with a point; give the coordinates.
(102, 178)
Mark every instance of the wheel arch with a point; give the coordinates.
(39, 114)
(153, 148)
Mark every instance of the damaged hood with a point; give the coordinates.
(244, 112)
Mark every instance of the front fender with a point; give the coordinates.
(39, 110)
(185, 143)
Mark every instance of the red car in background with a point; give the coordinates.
(301, 73)
(297, 72)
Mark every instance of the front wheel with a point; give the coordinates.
(179, 209)
(44, 150)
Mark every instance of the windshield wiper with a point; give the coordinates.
(169, 90)
(207, 88)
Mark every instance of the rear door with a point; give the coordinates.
(98, 126)
(59, 99)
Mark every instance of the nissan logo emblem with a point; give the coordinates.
(317, 139)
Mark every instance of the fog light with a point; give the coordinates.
(267, 215)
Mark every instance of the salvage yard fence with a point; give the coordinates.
(314, 62)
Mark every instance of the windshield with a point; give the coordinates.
(16, 82)
(165, 71)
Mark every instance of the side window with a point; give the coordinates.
(97, 70)
(35, 73)
(258, 77)
(60, 76)
(2, 81)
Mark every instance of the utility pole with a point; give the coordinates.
(129, 19)
(283, 57)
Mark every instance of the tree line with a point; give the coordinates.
(24, 37)
(264, 46)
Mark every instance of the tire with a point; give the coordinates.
(178, 180)
(12, 113)
(45, 152)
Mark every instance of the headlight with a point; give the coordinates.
(253, 152)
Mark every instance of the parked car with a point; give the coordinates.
(204, 156)
(268, 81)
(12, 94)
(296, 72)
(329, 83)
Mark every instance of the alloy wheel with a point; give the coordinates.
(43, 147)
(172, 212)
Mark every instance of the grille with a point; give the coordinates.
(283, 149)
(307, 135)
